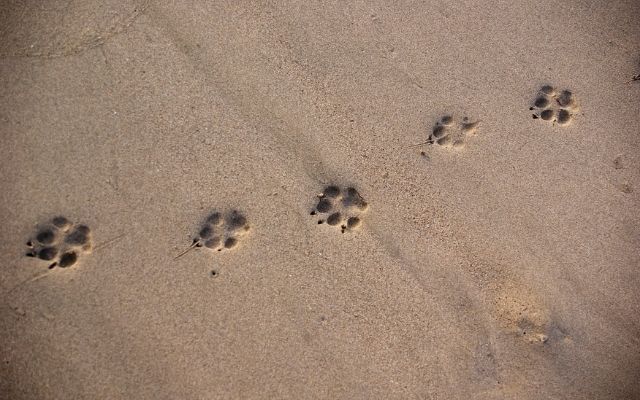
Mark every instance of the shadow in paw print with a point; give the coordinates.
(448, 133)
(220, 231)
(554, 107)
(60, 242)
(340, 207)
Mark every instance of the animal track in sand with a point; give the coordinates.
(555, 107)
(523, 312)
(220, 232)
(340, 208)
(619, 165)
(520, 310)
(60, 242)
(449, 133)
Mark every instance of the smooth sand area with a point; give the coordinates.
(501, 263)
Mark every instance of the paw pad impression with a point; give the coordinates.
(60, 242)
(220, 231)
(554, 107)
(340, 207)
(448, 133)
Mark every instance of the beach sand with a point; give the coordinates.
(505, 267)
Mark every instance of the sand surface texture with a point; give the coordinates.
(492, 245)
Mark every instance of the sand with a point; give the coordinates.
(505, 267)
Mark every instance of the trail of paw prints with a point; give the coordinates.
(60, 242)
(341, 208)
(220, 232)
(451, 134)
(555, 107)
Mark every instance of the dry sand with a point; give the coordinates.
(507, 269)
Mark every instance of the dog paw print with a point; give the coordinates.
(60, 242)
(554, 107)
(447, 133)
(220, 232)
(341, 208)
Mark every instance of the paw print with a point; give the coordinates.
(340, 208)
(220, 232)
(447, 133)
(554, 107)
(60, 242)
